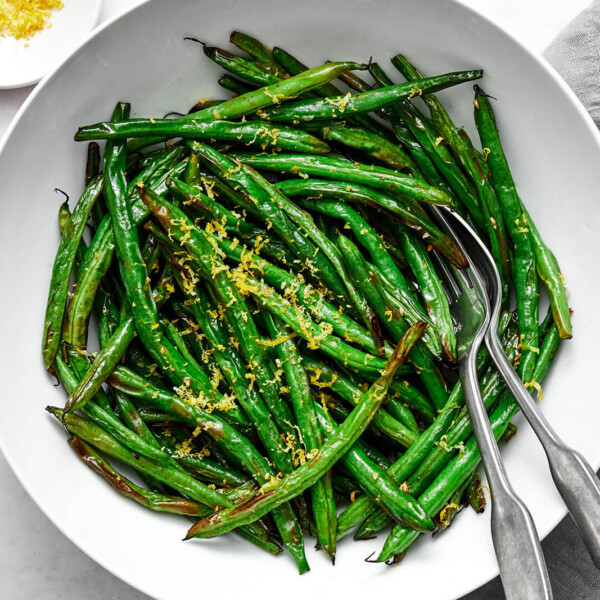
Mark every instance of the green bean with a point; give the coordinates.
(61, 271)
(321, 493)
(128, 489)
(373, 145)
(510, 432)
(273, 94)
(179, 480)
(406, 137)
(424, 366)
(326, 377)
(75, 329)
(340, 106)
(400, 470)
(336, 446)
(235, 85)
(92, 269)
(104, 363)
(192, 171)
(294, 289)
(474, 493)
(305, 222)
(198, 464)
(109, 319)
(64, 214)
(153, 500)
(195, 197)
(197, 244)
(210, 470)
(345, 487)
(451, 508)
(132, 418)
(97, 261)
(411, 127)
(264, 96)
(203, 201)
(374, 454)
(106, 419)
(141, 364)
(271, 213)
(319, 335)
(339, 413)
(270, 546)
(152, 416)
(470, 162)
(402, 413)
(251, 132)
(283, 515)
(235, 372)
(464, 464)
(401, 132)
(134, 273)
(237, 448)
(125, 436)
(92, 165)
(255, 48)
(373, 481)
(376, 247)
(443, 160)
(524, 266)
(431, 290)
(492, 386)
(414, 398)
(163, 165)
(391, 295)
(341, 169)
(173, 334)
(546, 264)
(221, 403)
(262, 74)
(92, 170)
(315, 189)
(294, 67)
(205, 103)
(359, 510)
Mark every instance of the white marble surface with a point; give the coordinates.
(36, 560)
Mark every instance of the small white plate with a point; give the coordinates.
(25, 62)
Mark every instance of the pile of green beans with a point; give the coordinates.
(275, 353)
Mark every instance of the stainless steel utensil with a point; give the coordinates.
(516, 542)
(574, 478)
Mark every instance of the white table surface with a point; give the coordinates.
(36, 560)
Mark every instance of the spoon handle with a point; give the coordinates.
(516, 543)
(573, 476)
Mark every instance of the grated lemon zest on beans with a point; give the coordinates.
(536, 386)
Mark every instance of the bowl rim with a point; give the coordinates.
(537, 58)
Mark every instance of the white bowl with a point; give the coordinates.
(554, 150)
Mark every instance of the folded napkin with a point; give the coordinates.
(575, 55)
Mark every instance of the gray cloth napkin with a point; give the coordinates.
(575, 54)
